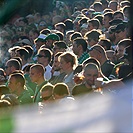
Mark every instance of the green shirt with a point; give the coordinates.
(83, 57)
(37, 92)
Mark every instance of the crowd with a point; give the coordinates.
(74, 50)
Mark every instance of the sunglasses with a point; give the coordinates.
(46, 98)
(40, 56)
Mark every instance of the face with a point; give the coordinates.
(49, 43)
(56, 64)
(42, 59)
(34, 75)
(120, 34)
(46, 96)
(63, 65)
(12, 84)
(121, 50)
(118, 16)
(90, 76)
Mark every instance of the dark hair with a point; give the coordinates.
(30, 50)
(94, 22)
(45, 31)
(15, 63)
(82, 42)
(60, 44)
(48, 53)
(75, 35)
(23, 52)
(4, 90)
(19, 78)
(69, 24)
(61, 35)
(61, 89)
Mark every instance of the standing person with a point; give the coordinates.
(68, 61)
(37, 76)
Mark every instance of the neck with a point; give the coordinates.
(40, 81)
(69, 71)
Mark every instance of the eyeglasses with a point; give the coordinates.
(46, 98)
(40, 56)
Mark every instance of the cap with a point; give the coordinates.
(53, 36)
(25, 41)
(41, 37)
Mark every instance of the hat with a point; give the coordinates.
(41, 37)
(115, 21)
(53, 36)
(25, 41)
(75, 14)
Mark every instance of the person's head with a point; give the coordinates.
(79, 44)
(68, 34)
(69, 24)
(93, 24)
(16, 83)
(11, 66)
(75, 35)
(105, 43)
(60, 91)
(39, 41)
(46, 93)
(122, 45)
(91, 60)
(60, 27)
(67, 61)
(50, 39)
(44, 56)
(98, 6)
(23, 54)
(30, 50)
(36, 73)
(124, 3)
(98, 52)
(121, 31)
(12, 98)
(111, 55)
(61, 35)
(126, 12)
(59, 46)
(45, 31)
(92, 37)
(118, 15)
(113, 5)
(91, 72)
(107, 17)
(56, 63)
(12, 51)
(41, 25)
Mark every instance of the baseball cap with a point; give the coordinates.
(53, 36)
(41, 38)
